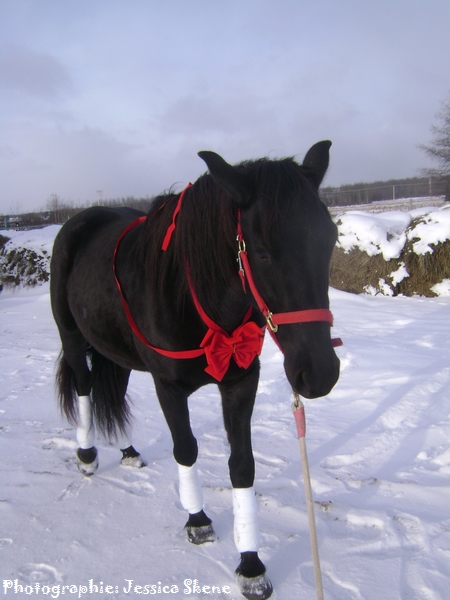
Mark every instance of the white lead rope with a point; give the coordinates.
(299, 413)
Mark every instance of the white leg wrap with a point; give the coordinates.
(123, 441)
(191, 495)
(85, 428)
(246, 529)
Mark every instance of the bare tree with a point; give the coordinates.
(59, 210)
(439, 148)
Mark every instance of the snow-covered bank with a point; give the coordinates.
(394, 252)
(387, 233)
(25, 257)
(379, 454)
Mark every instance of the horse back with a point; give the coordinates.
(83, 292)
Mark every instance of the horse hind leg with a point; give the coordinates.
(130, 456)
(73, 382)
(94, 394)
(87, 454)
(110, 406)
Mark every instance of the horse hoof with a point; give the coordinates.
(132, 458)
(255, 588)
(87, 460)
(201, 535)
(133, 461)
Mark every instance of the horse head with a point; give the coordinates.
(289, 239)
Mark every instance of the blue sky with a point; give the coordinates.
(120, 95)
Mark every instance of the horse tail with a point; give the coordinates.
(67, 393)
(109, 398)
(109, 383)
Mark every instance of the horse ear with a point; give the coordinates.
(234, 181)
(316, 162)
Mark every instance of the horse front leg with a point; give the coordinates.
(173, 401)
(238, 399)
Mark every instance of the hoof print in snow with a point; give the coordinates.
(87, 461)
(255, 588)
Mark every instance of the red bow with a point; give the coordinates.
(244, 344)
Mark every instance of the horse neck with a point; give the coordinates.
(203, 245)
(226, 306)
(210, 259)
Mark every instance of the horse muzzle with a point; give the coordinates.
(312, 367)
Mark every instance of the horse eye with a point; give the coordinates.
(262, 255)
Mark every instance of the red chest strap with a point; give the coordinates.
(131, 321)
(243, 345)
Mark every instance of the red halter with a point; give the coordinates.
(273, 320)
(245, 343)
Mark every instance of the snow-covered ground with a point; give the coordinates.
(379, 452)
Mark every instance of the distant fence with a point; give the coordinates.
(351, 195)
(404, 205)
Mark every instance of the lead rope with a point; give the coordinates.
(298, 409)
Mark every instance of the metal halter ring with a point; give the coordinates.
(241, 244)
(270, 323)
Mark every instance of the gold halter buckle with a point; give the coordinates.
(270, 323)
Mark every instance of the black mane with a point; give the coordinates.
(205, 234)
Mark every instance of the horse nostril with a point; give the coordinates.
(315, 384)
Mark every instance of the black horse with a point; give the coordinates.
(182, 293)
